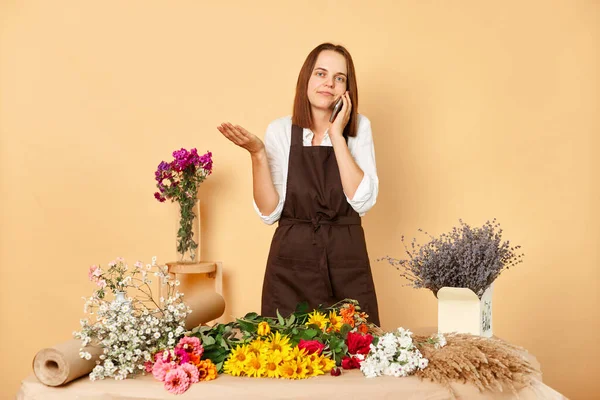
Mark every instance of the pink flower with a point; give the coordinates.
(177, 381)
(190, 344)
(148, 366)
(311, 346)
(161, 369)
(94, 272)
(101, 283)
(191, 371)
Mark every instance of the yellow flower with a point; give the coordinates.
(272, 365)
(279, 344)
(240, 355)
(335, 321)
(257, 347)
(300, 369)
(263, 329)
(297, 354)
(326, 364)
(256, 365)
(313, 367)
(232, 367)
(316, 318)
(286, 370)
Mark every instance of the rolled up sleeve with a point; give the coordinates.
(363, 151)
(275, 158)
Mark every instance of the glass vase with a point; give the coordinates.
(188, 232)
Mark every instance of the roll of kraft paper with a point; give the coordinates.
(206, 306)
(61, 364)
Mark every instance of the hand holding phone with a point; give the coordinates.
(336, 109)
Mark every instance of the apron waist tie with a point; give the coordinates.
(316, 224)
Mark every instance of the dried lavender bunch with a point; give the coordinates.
(466, 257)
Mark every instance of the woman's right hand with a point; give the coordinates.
(242, 137)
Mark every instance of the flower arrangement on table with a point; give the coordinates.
(178, 181)
(140, 335)
(132, 326)
(465, 257)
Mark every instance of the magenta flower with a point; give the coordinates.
(190, 344)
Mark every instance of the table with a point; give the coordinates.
(350, 385)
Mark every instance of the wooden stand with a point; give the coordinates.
(213, 269)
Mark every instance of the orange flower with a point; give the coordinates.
(362, 328)
(207, 371)
(348, 320)
(194, 359)
(348, 312)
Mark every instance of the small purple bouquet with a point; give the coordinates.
(179, 181)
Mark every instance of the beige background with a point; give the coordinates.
(478, 110)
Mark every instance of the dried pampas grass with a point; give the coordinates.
(488, 363)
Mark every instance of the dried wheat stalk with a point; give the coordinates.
(488, 363)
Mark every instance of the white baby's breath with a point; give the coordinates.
(129, 331)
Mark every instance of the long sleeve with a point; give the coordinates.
(363, 151)
(277, 159)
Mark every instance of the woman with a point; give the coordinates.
(317, 178)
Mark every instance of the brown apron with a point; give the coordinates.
(318, 253)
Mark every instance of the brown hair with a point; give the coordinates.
(302, 115)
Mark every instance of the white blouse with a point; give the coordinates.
(277, 145)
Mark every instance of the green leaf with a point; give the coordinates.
(251, 316)
(280, 319)
(291, 320)
(309, 334)
(207, 341)
(295, 331)
(302, 308)
(247, 326)
(345, 329)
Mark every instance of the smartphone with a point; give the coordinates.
(336, 109)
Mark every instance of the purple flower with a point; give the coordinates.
(158, 197)
(206, 161)
(182, 355)
(162, 171)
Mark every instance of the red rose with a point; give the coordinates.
(350, 362)
(311, 346)
(358, 343)
(336, 372)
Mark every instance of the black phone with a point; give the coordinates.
(336, 109)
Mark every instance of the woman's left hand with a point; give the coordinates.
(339, 123)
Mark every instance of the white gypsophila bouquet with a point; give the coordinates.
(130, 329)
(395, 354)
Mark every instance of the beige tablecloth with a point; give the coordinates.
(350, 385)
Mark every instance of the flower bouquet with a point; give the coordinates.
(132, 326)
(178, 181)
(459, 268)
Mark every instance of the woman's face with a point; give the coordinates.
(328, 80)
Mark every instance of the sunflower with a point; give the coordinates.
(300, 369)
(286, 370)
(238, 359)
(297, 353)
(258, 347)
(256, 365)
(279, 344)
(318, 319)
(326, 364)
(335, 321)
(272, 365)
(313, 367)
(231, 367)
